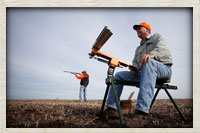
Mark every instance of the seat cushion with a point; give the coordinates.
(161, 81)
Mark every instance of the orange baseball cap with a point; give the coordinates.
(142, 24)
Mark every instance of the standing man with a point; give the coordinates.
(152, 61)
(84, 82)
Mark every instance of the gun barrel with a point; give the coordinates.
(72, 72)
(67, 71)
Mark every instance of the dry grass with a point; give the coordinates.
(72, 113)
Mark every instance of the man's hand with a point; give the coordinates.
(146, 58)
(73, 73)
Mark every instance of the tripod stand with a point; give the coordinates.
(112, 63)
(110, 82)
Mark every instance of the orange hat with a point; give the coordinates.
(142, 24)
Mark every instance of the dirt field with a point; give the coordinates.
(75, 114)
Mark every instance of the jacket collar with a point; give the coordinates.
(150, 39)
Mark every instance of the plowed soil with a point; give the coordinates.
(75, 114)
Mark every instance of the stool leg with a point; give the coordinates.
(177, 108)
(117, 103)
(154, 98)
(104, 100)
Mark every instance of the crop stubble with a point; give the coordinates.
(75, 114)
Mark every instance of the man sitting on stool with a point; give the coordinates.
(152, 61)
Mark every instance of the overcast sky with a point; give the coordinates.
(42, 42)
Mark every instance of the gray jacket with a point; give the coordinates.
(155, 45)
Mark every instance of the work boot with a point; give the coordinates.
(137, 120)
(138, 112)
(110, 112)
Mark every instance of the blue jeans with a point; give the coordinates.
(147, 77)
(82, 92)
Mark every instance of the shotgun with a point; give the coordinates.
(72, 72)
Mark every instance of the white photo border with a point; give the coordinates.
(102, 3)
